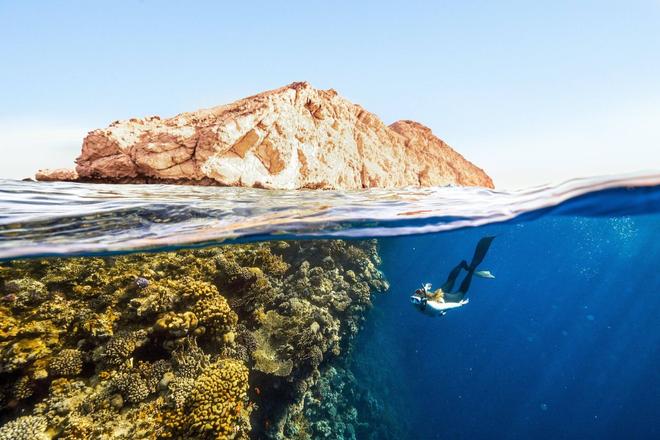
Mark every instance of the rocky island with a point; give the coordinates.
(294, 137)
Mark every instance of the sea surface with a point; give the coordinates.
(564, 342)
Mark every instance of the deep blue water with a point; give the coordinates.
(564, 343)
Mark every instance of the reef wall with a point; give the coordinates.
(238, 341)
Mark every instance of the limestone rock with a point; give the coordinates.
(57, 175)
(442, 161)
(289, 138)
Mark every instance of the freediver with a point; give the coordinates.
(437, 303)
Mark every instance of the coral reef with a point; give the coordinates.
(338, 406)
(25, 428)
(217, 343)
(67, 363)
(218, 400)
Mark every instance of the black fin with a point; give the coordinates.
(479, 255)
(480, 252)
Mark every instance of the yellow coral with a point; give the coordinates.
(195, 289)
(261, 257)
(214, 313)
(218, 400)
(177, 324)
(22, 352)
(8, 325)
(260, 315)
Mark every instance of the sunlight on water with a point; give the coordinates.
(64, 218)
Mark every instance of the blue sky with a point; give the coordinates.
(533, 92)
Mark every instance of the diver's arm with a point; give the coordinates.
(434, 308)
(441, 306)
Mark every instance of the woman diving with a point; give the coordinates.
(437, 303)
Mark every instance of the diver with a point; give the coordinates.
(437, 303)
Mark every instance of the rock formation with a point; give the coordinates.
(56, 175)
(289, 138)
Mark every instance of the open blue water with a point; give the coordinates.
(563, 343)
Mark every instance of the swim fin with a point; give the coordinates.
(480, 251)
(484, 274)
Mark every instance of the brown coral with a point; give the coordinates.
(67, 363)
(120, 347)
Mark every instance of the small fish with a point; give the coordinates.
(257, 391)
(484, 274)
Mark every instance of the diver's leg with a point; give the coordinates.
(451, 279)
(465, 285)
(479, 255)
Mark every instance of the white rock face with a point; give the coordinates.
(289, 138)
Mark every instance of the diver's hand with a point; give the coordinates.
(464, 301)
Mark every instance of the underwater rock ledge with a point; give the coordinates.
(238, 341)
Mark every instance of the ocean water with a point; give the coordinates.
(564, 342)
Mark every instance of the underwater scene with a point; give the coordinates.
(174, 312)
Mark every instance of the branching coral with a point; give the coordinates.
(131, 385)
(121, 346)
(25, 428)
(189, 360)
(152, 372)
(67, 363)
(136, 384)
(23, 388)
